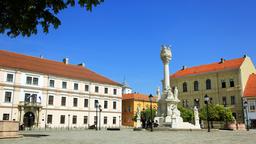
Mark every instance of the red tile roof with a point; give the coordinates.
(136, 96)
(49, 67)
(217, 66)
(250, 88)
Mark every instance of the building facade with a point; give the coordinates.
(44, 93)
(250, 98)
(130, 104)
(224, 82)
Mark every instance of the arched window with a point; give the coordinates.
(208, 84)
(196, 86)
(185, 87)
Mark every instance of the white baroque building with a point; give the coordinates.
(43, 93)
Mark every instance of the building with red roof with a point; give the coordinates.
(130, 104)
(224, 82)
(250, 97)
(44, 93)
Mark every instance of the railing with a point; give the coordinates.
(30, 104)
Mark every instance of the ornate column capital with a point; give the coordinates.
(166, 54)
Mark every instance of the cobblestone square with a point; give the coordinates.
(128, 136)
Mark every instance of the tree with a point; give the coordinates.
(22, 17)
(145, 116)
(216, 113)
(186, 113)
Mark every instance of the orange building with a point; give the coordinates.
(130, 103)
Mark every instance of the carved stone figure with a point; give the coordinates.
(176, 93)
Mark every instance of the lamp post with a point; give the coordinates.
(68, 120)
(96, 121)
(151, 115)
(225, 114)
(100, 110)
(206, 101)
(246, 111)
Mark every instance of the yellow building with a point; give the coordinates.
(130, 103)
(224, 82)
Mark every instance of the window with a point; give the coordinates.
(86, 87)
(74, 120)
(51, 83)
(185, 103)
(223, 84)
(27, 97)
(96, 89)
(208, 84)
(106, 90)
(224, 101)
(252, 105)
(63, 101)
(196, 86)
(35, 81)
(9, 77)
(233, 100)
(75, 86)
(95, 119)
(29, 80)
(114, 105)
(234, 115)
(129, 109)
(8, 97)
(6, 116)
(64, 85)
(75, 102)
(105, 120)
(49, 119)
(231, 83)
(115, 91)
(95, 103)
(50, 100)
(85, 102)
(33, 98)
(114, 120)
(62, 119)
(185, 87)
(105, 104)
(85, 119)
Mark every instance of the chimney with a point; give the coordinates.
(41, 57)
(81, 64)
(222, 60)
(184, 67)
(65, 60)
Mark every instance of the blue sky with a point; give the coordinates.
(123, 38)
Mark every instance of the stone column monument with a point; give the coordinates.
(168, 114)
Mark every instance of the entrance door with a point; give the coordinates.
(29, 119)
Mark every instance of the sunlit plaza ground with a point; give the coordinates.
(128, 136)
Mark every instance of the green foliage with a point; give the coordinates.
(145, 115)
(186, 113)
(216, 113)
(22, 17)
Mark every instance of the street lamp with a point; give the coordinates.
(100, 110)
(151, 115)
(206, 101)
(246, 111)
(68, 120)
(96, 121)
(225, 114)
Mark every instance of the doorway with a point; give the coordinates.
(29, 119)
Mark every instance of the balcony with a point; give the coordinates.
(30, 104)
